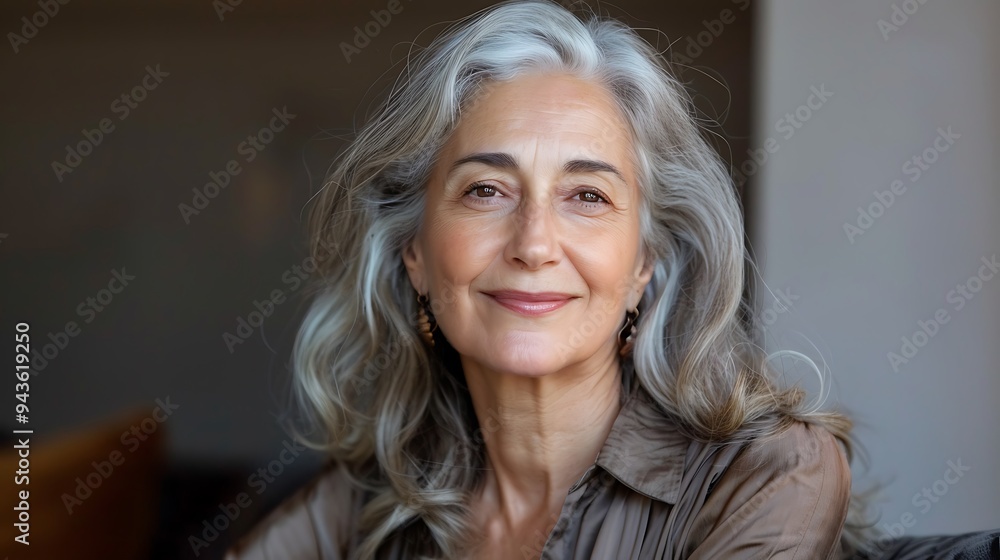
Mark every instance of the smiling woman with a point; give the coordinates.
(534, 345)
(534, 232)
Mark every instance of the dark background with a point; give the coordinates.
(161, 337)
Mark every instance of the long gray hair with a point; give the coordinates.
(399, 416)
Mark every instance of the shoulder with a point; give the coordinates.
(790, 490)
(801, 447)
(804, 462)
(314, 523)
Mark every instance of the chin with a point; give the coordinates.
(521, 354)
(530, 358)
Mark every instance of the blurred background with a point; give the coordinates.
(157, 163)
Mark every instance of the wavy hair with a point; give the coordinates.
(400, 417)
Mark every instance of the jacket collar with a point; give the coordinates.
(645, 449)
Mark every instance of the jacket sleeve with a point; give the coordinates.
(313, 524)
(785, 497)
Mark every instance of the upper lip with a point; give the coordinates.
(530, 296)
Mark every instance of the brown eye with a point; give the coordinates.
(486, 191)
(591, 196)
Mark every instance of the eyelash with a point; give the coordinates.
(604, 199)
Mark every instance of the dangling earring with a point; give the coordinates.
(425, 320)
(626, 336)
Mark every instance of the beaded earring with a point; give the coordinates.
(425, 320)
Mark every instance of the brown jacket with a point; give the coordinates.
(652, 494)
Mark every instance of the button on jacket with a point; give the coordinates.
(651, 494)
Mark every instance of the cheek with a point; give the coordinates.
(609, 281)
(607, 264)
(458, 251)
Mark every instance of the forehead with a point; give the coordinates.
(545, 110)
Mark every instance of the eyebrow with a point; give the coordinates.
(492, 159)
(506, 161)
(592, 166)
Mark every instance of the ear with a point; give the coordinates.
(413, 259)
(643, 276)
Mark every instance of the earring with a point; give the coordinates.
(425, 320)
(626, 336)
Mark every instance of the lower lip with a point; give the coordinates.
(530, 308)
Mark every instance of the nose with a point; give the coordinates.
(535, 239)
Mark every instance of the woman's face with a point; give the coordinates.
(529, 248)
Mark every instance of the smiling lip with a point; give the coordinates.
(530, 303)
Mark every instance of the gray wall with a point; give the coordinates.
(855, 296)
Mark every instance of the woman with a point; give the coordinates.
(532, 346)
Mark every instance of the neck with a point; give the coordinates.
(541, 433)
